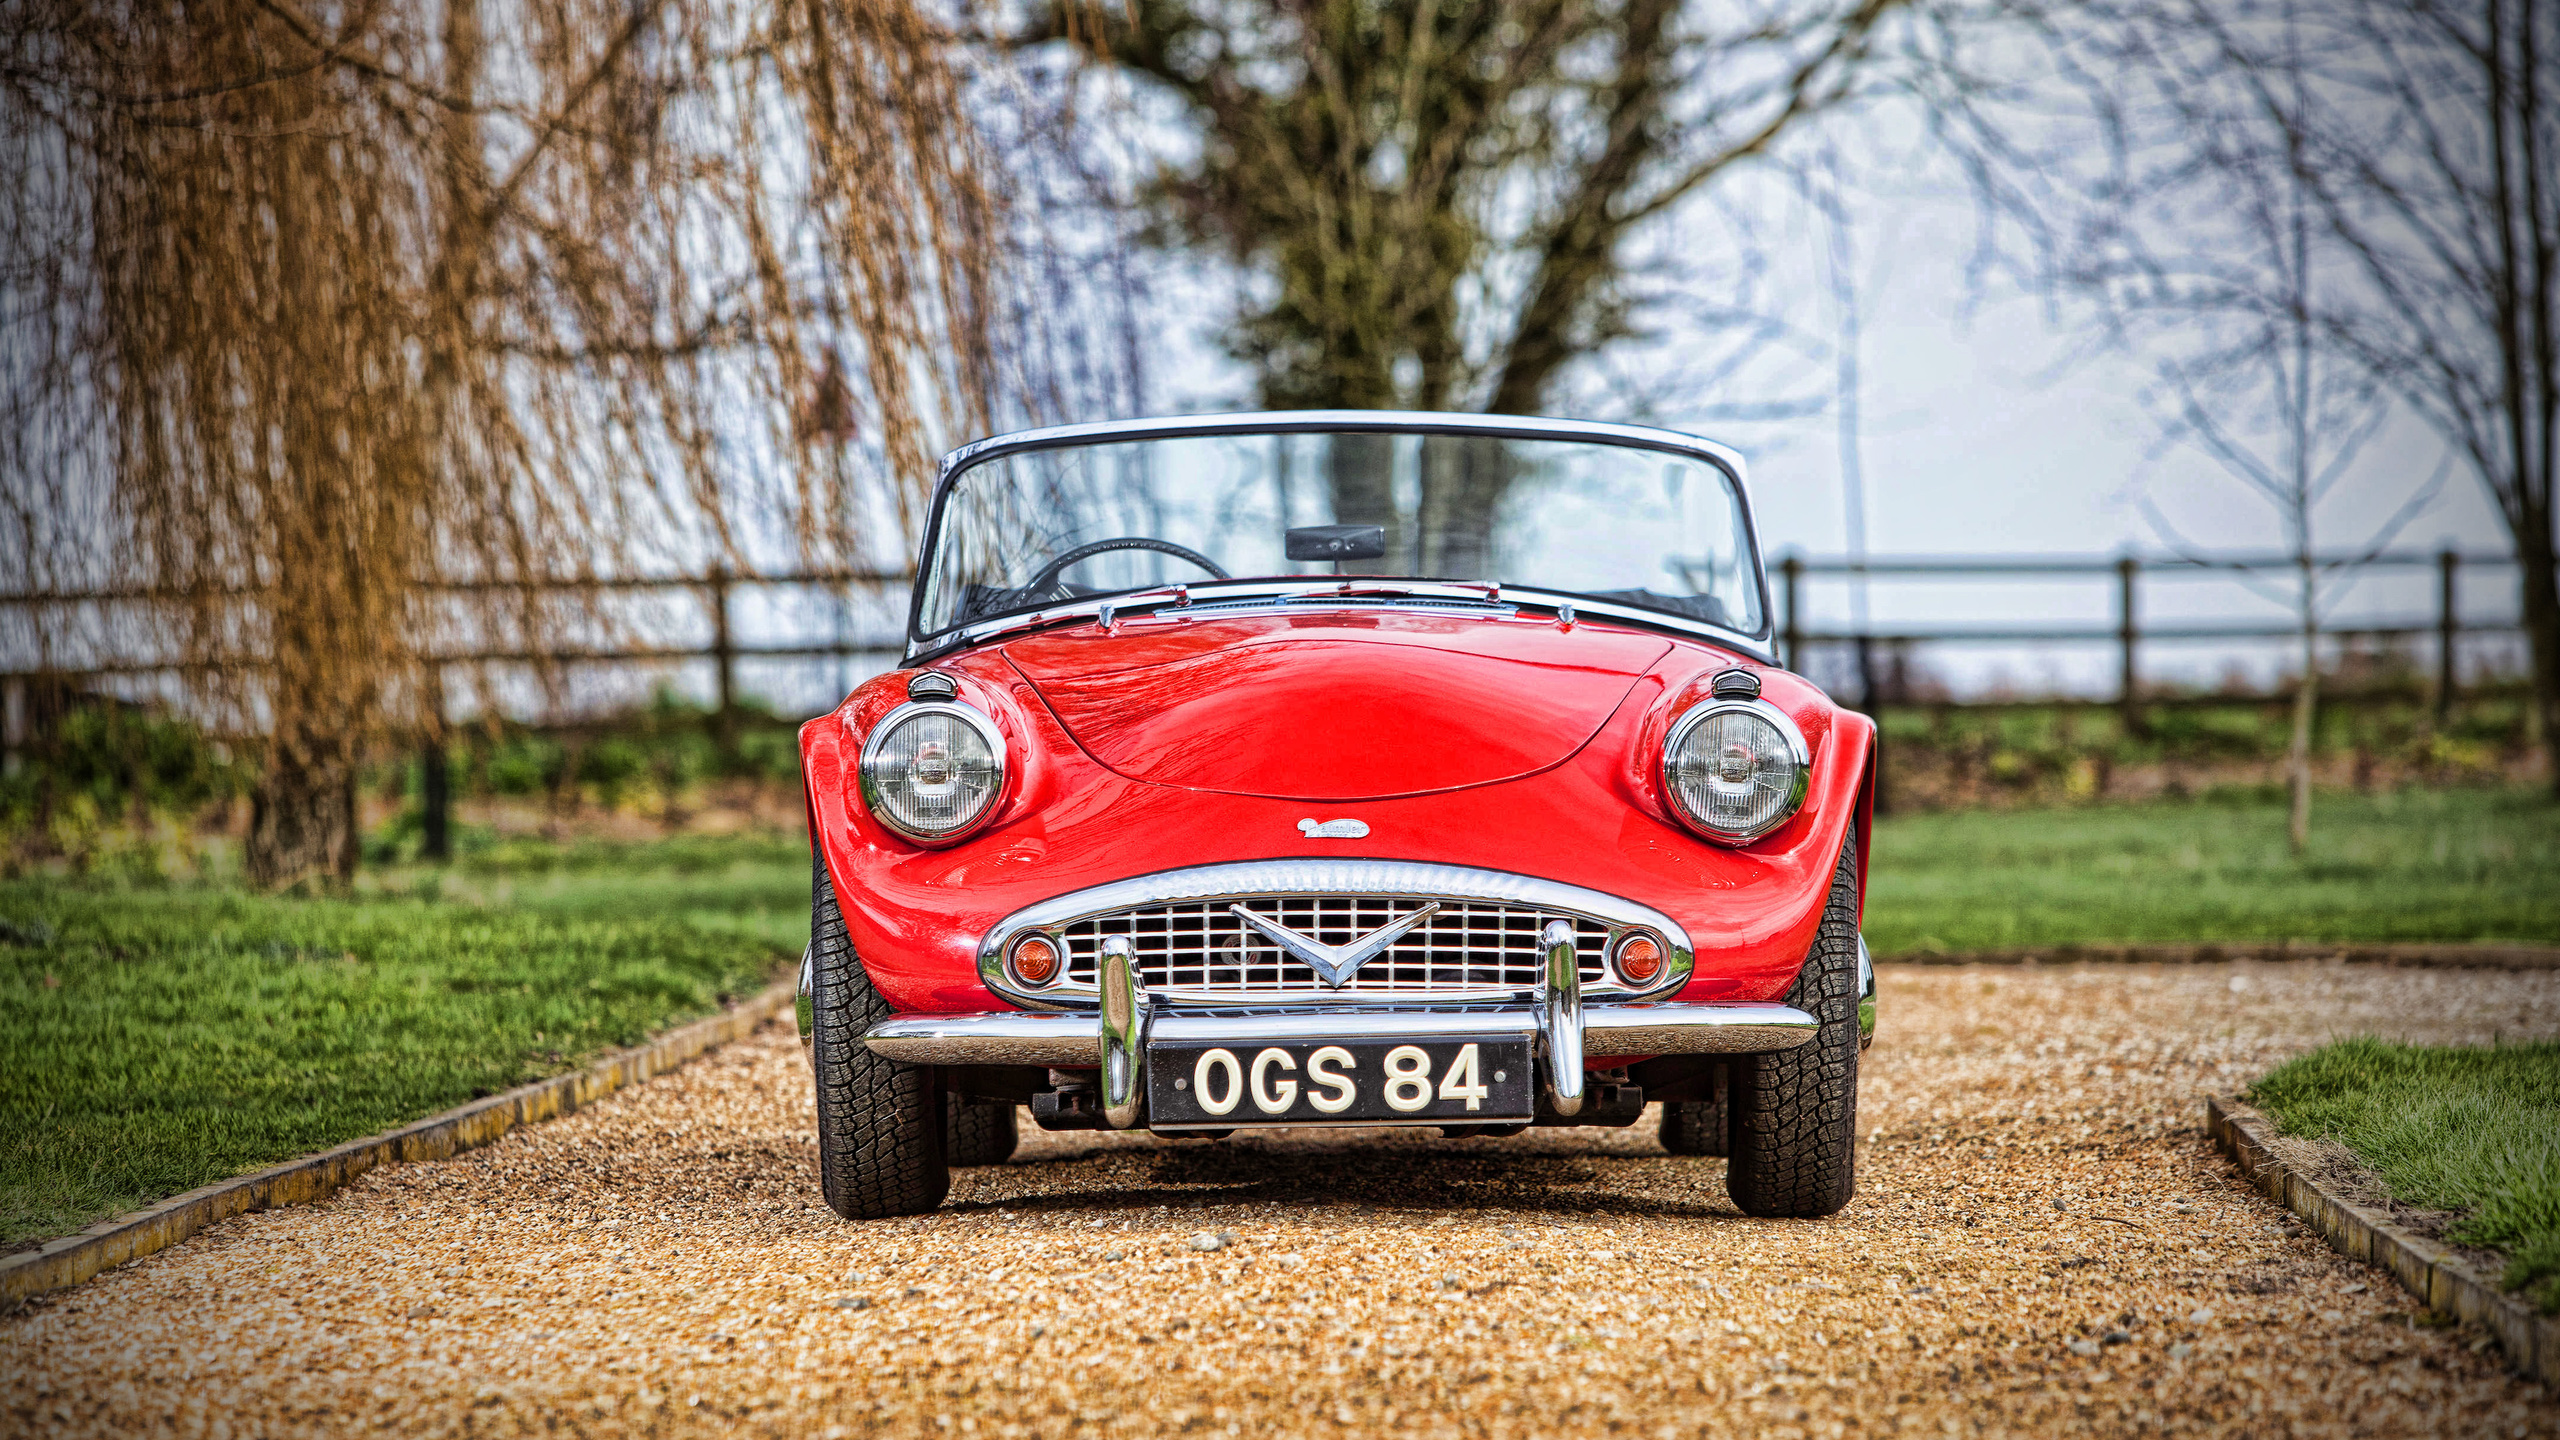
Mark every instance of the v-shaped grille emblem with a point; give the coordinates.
(1335, 964)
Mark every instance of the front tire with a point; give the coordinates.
(880, 1123)
(1794, 1114)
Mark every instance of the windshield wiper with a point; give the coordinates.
(1308, 590)
(1315, 592)
(1482, 592)
(1236, 594)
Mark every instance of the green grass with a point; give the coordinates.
(2417, 865)
(754, 886)
(159, 1038)
(2472, 1130)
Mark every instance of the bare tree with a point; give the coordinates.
(314, 315)
(2216, 267)
(1439, 205)
(2420, 138)
(1441, 198)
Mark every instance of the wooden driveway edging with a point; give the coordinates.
(2491, 955)
(60, 1264)
(2443, 1280)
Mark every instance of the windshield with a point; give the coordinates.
(1640, 527)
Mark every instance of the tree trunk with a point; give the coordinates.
(2306, 702)
(2541, 597)
(1359, 470)
(1464, 478)
(302, 814)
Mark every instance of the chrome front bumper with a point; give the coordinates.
(1020, 1037)
(1113, 1038)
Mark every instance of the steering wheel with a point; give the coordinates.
(1047, 579)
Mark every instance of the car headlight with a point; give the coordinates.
(932, 771)
(1735, 769)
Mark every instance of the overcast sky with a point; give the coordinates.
(2004, 432)
(1990, 425)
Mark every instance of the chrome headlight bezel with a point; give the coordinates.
(871, 765)
(1797, 751)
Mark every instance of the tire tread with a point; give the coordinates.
(1794, 1114)
(880, 1123)
(978, 1132)
(1695, 1127)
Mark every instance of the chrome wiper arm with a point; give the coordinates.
(1383, 585)
(1272, 590)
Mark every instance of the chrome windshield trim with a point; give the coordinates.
(1583, 607)
(1400, 879)
(1302, 594)
(1294, 422)
(1300, 422)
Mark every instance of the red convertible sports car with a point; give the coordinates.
(1337, 768)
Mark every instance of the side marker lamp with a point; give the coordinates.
(1639, 959)
(1035, 960)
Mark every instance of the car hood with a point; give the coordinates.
(1333, 706)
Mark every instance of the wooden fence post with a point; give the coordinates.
(1791, 570)
(2128, 633)
(2448, 623)
(435, 779)
(724, 653)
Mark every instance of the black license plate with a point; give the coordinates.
(1435, 1080)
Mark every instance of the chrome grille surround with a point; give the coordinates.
(1479, 946)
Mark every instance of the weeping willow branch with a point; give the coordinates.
(312, 310)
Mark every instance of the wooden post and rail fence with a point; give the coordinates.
(717, 588)
(2126, 631)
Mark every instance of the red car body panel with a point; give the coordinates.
(1323, 706)
(1167, 741)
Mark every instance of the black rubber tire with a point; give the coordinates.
(978, 1132)
(879, 1122)
(1794, 1114)
(1695, 1127)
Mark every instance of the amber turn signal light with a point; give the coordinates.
(1639, 959)
(1035, 961)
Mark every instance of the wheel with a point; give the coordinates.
(977, 1132)
(1695, 1127)
(1793, 1115)
(880, 1123)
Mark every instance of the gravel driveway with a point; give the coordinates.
(2042, 1242)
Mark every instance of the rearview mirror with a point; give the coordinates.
(1337, 542)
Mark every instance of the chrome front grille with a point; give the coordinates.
(1479, 944)
(1466, 945)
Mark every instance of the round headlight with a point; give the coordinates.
(1735, 769)
(931, 771)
